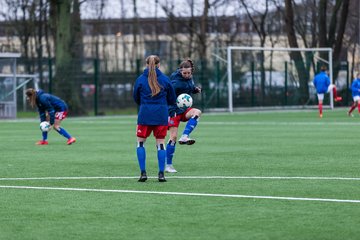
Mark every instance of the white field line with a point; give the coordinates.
(184, 194)
(186, 177)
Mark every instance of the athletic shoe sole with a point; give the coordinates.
(188, 142)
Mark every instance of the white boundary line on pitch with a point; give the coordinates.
(184, 194)
(187, 177)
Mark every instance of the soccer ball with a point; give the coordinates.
(45, 126)
(184, 101)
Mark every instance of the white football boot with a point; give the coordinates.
(170, 168)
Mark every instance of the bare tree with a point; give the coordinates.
(21, 19)
(28, 19)
(352, 41)
(66, 20)
(296, 56)
(202, 35)
(259, 20)
(191, 28)
(331, 25)
(135, 32)
(180, 47)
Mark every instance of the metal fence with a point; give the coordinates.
(104, 92)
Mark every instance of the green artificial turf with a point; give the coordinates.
(89, 190)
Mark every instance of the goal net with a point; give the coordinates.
(275, 77)
(12, 82)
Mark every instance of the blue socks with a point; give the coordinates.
(170, 150)
(161, 154)
(170, 147)
(63, 132)
(191, 124)
(44, 136)
(141, 155)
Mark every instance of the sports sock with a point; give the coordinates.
(334, 92)
(352, 108)
(191, 124)
(141, 155)
(63, 132)
(44, 136)
(320, 108)
(170, 150)
(161, 155)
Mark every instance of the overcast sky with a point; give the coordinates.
(147, 8)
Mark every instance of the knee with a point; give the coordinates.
(197, 112)
(173, 138)
(173, 132)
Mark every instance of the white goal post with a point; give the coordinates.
(230, 49)
(10, 82)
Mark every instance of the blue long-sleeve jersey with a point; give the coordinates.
(49, 103)
(355, 87)
(181, 85)
(153, 111)
(321, 82)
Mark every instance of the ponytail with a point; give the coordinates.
(152, 61)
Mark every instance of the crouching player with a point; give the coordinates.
(56, 109)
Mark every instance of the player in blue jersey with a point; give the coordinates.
(182, 80)
(51, 107)
(355, 91)
(153, 93)
(322, 84)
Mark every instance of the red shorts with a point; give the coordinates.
(175, 121)
(61, 115)
(144, 131)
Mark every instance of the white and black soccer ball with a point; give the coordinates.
(184, 101)
(45, 126)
